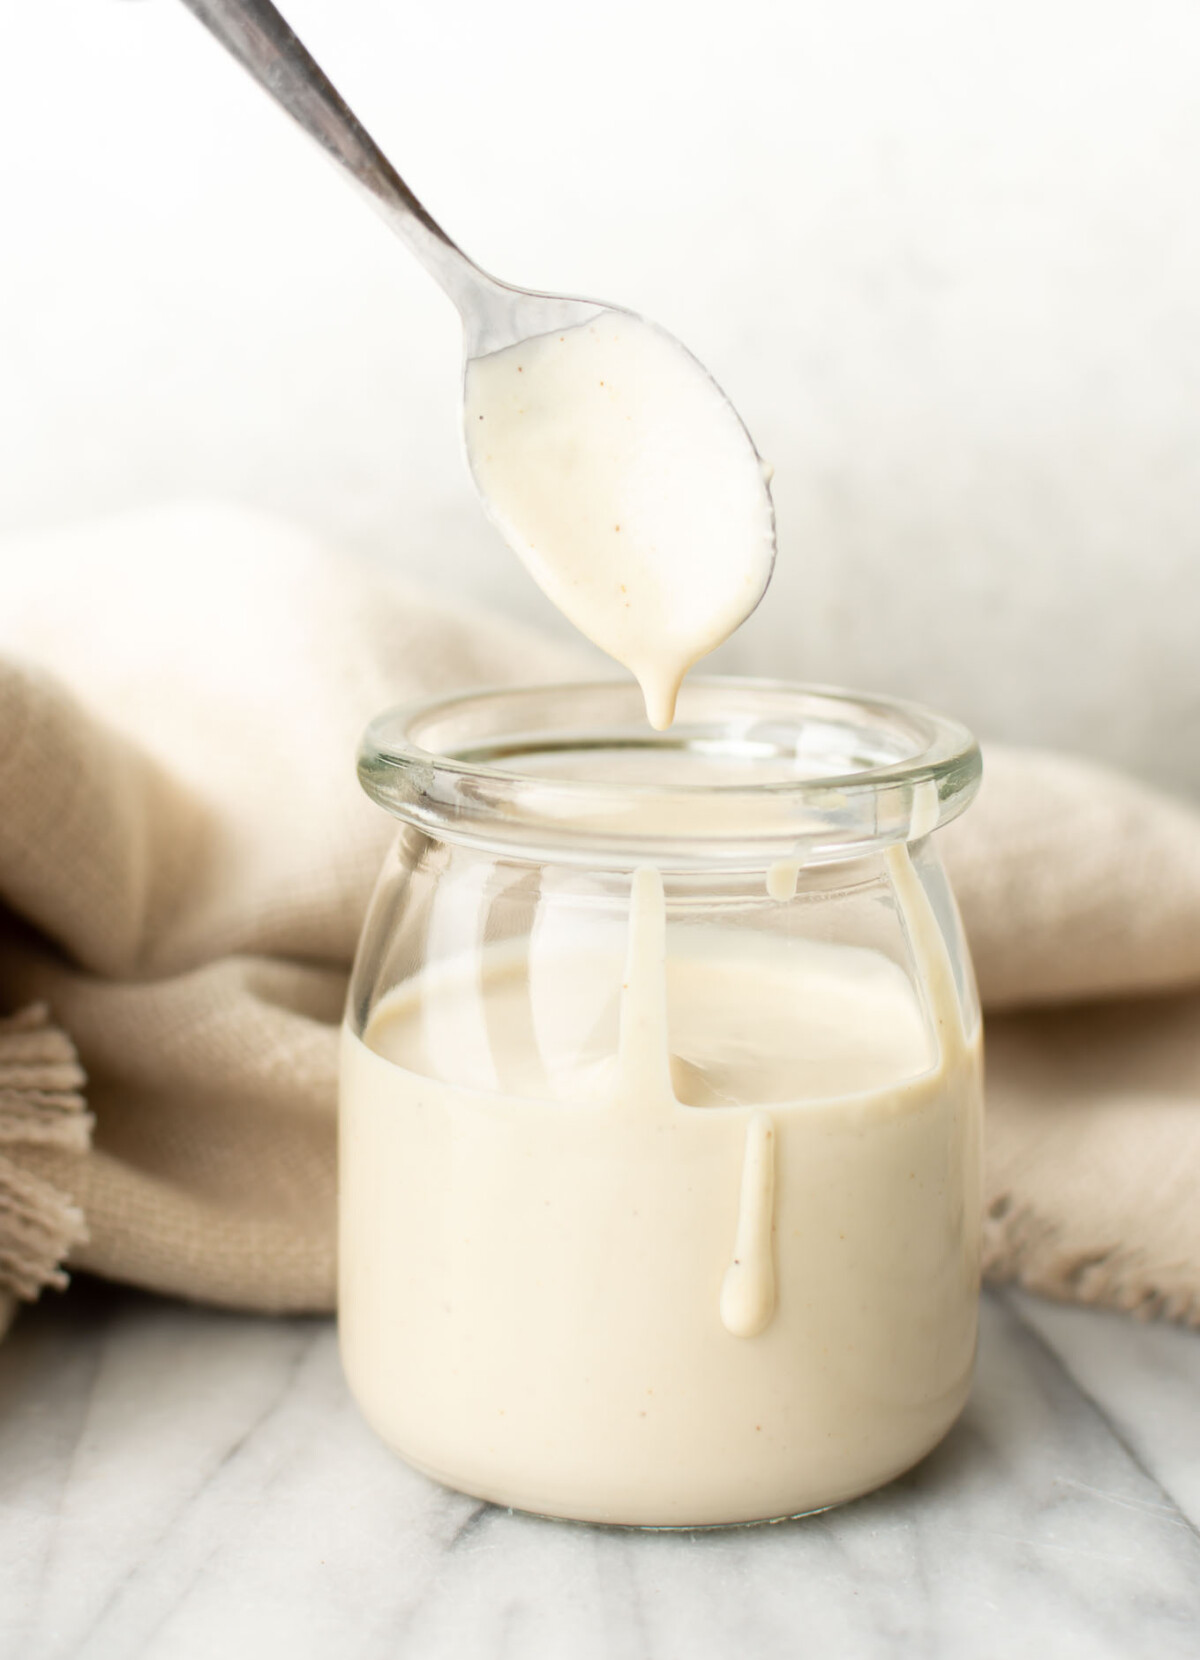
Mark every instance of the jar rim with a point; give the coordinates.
(840, 773)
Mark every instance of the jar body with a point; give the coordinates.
(736, 1285)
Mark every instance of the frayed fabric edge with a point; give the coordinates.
(1021, 1247)
(41, 1105)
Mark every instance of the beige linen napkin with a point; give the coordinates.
(185, 858)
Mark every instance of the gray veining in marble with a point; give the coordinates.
(185, 1484)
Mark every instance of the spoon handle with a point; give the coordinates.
(261, 41)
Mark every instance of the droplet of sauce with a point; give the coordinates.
(748, 1289)
(643, 1075)
(782, 877)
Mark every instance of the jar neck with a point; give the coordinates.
(752, 772)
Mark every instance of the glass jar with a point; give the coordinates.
(661, 1101)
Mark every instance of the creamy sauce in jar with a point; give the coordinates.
(722, 1270)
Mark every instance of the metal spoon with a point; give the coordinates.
(495, 315)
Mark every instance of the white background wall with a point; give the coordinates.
(944, 257)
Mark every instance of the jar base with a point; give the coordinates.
(858, 1491)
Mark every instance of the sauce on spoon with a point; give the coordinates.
(622, 476)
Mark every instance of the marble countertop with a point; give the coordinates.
(186, 1484)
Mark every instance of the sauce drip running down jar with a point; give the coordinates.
(661, 1106)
